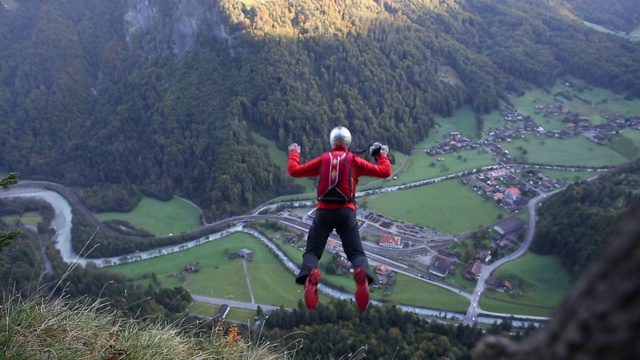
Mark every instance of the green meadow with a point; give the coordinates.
(448, 207)
(536, 279)
(222, 277)
(161, 218)
(575, 151)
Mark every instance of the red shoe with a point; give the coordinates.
(362, 289)
(311, 289)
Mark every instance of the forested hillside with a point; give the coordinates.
(164, 97)
(387, 332)
(575, 223)
(619, 15)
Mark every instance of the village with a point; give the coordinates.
(511, 186)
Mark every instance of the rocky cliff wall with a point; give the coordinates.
(155, 27)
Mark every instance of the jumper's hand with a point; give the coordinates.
(374, 149)
(377, 149)
(294, 147)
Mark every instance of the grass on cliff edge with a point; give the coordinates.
(37, 329)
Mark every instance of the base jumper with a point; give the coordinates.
(338, 171)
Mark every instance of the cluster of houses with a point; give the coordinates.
(456, 143)
(507, 230)
(578, 124)
(507, 189)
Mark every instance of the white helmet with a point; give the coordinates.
(340, 135)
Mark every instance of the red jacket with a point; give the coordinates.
(361, 167)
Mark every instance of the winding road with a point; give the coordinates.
(59, 197)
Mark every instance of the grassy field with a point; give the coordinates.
(462, 121)
(448, 207)
(28, 218)
(161, 218)
(541, 280)
(575, 151)
(222, 277)
(411, 291)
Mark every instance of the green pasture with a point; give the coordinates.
(412, 291)
(462, 121)
(575, 151)
(541, 280)
(161, 218)
(510, 308)
(222, 277)
(32, 218)
(448, 207)
(626, 144)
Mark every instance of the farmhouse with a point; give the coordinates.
(440, 265)
(246, 253)
(483, 255)
(243, 254)
(511, 226)
(472, 271)
(391, 241)
(381, 269)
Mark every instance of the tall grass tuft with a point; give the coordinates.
(38, 329)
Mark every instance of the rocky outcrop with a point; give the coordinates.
(154, 27)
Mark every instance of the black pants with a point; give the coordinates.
(343, 220)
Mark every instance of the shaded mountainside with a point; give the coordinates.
(164, 97)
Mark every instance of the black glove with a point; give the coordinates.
(376, 149)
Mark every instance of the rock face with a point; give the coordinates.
(600, 317)
(154, 27)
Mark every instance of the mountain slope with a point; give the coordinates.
(163, 96)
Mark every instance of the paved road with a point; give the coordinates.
(229, 301)
(474, 308)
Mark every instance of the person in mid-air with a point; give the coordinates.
(338, 171)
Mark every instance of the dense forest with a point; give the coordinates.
(121, 99)
(575, 223)
(382, 332)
